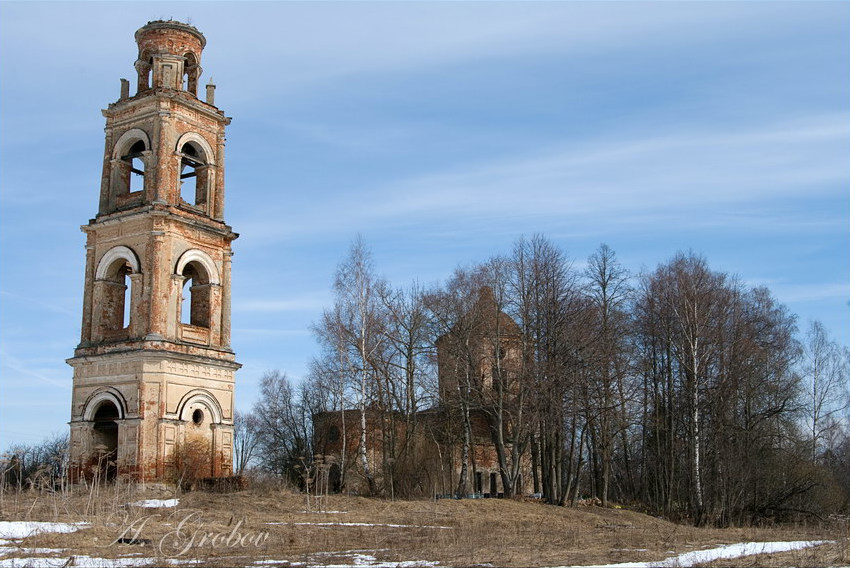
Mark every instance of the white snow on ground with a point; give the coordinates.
(354, 559)
(85, 561)
(357, 559)
(153, 503)
(82, 561)
(23, 529)
(729, 551)
(325, 512)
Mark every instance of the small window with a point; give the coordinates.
(198, 417)
(333, 434)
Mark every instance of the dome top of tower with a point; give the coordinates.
(169, 36)
(170, 57)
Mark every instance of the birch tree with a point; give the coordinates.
(358, 323)
(827, 379)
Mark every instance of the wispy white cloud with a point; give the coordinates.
(838, 291)
(20, 371)
(266, 305)
(699, 176)
(675, 169)
(245, 332)
(397, 38)
(34, 302)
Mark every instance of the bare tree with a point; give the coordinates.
(827, 376)
(356, 327)
(35, 466)
(456, 322)
(331, 373)
(609, 290)
(407, 360)
(549, 311)
(284, 427)
(719, 389)
(246, 439)
(505, 397)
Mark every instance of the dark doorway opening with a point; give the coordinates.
(105, 442)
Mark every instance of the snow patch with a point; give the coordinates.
(23, 529)
(356, 560)
(82, 561)
(156, 503)
(85, 561)
(689, 559)
(325, 512)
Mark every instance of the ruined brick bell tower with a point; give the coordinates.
(154, 371)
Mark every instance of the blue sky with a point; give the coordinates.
(441, 132)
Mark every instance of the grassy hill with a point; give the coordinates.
(279, 527)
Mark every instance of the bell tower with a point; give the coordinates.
(154, 370)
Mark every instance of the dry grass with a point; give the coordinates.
(456, 533)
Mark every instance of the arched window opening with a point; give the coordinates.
(193, 173)
(128, 299)
(144, 66)
(186, 302)
(128, 163)
(134, 167)
(195, 305)
(117, 294)
(191, 73)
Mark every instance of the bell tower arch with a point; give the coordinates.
(157, 249)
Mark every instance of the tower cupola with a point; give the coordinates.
(169, 56)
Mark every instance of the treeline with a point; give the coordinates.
(681, 390)
(38, 465)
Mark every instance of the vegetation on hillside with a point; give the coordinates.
(682, 390)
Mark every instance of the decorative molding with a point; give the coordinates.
(209, 154)
(113, 254)
(127, 139)
(199, 256)
(110, 394)
(203, 397)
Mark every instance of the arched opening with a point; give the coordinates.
(133, 170)
(195, 300)
(193, 174)
(114, 294)
(128, 298)
(144, 66)
(116, 300)
(128, 171)
(105, 439)
(191, 73)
